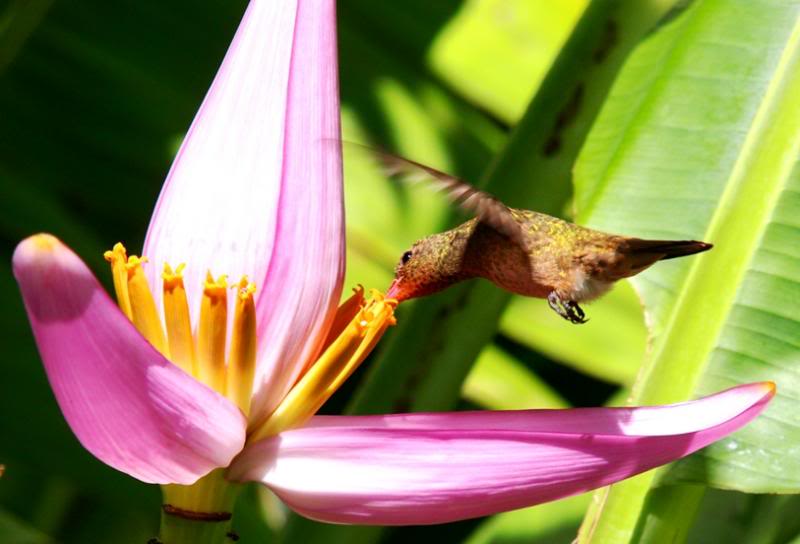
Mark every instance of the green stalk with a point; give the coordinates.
(199, 513)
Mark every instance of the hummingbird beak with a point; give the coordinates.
(393, 289)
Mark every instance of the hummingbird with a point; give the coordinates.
(522, 251)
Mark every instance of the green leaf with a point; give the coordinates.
(500, 382)
(300, 529)
(497, 52)
(670, 513)
(699, 139)
(610, 346)
(386, 102)
(550, 523)
(15, 531)
(730, 516)
(18, 20)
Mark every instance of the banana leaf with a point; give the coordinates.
(699, 140)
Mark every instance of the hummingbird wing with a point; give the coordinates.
(487, 208)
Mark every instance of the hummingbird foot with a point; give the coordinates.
(575, 313)
(568, 309)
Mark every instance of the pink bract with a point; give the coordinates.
(437, 468)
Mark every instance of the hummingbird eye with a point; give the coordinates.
(406, 256)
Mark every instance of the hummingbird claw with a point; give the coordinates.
(572, 305)
(569, 309)
(575, 312)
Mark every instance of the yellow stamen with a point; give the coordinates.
(118, 258)
(344, 315)
(176, 317)
(335, 365)
(143, 307)
(211, 333)
(242, 358)
(356, 328)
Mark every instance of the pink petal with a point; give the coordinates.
(218, 207)
(436, 468)
(299, 297)
(217, 210)
(128, 405)
(256, 191)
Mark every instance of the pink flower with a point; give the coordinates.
(233, 381)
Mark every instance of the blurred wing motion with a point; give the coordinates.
(488, 209)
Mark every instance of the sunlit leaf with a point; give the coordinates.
(700, 139)
(500, 382)
(496, 52)
(387, 104)
(550, 523)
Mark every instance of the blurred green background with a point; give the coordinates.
(94, 100)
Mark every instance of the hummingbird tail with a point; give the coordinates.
(667, 249)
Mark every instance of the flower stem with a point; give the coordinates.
(199, 513)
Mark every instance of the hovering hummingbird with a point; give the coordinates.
(522, 251)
